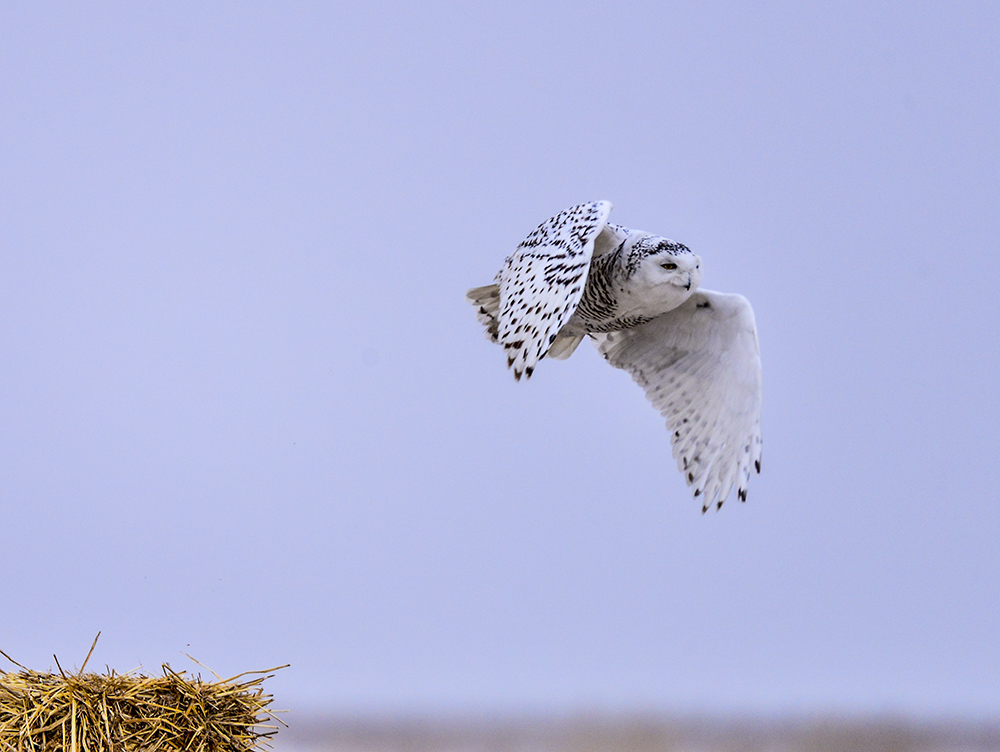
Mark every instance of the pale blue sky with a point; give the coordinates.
(245, 412)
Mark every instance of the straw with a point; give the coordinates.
(175, 712)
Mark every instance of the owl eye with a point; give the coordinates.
(669, 266)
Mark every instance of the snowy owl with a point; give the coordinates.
(636, 295)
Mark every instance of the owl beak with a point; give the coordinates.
(688, 285)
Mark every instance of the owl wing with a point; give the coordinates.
(700, 367)
(541, 283)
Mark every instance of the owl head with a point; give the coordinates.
(663, 268)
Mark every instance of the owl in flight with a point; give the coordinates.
(636, 296)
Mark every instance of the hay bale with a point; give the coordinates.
(88, 712)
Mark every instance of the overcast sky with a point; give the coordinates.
(246, 413)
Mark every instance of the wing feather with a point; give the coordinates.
(700, 367)
(541, 283)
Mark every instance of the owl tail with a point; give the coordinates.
(486, 301)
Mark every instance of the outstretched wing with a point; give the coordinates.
(700, 367)
(542, 282)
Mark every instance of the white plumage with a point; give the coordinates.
(635, 294)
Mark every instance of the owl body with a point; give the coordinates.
(636, 295)
(630, 285)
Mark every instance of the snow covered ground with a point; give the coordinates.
(635, 734)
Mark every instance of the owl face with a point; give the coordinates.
(658, 262)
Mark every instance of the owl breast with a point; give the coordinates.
(606, 300)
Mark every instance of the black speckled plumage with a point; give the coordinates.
(636, 295)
